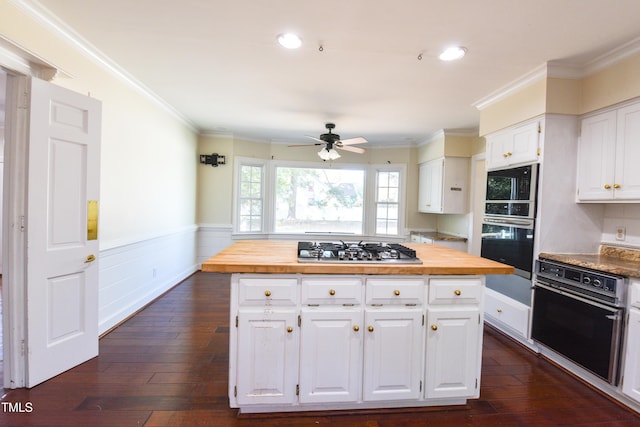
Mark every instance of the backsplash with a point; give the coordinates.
(626, 216)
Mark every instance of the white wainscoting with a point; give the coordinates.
(212, 238)
(132, 274)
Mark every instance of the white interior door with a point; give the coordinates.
(62, 245)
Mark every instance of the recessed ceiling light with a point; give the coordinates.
(453, 53)
(290, 40)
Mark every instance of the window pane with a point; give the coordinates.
(388, 198)
(319, 200)
(250, 203)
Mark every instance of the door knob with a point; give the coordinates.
(90, 258)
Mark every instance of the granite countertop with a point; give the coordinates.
(437, 236)
(611, 259)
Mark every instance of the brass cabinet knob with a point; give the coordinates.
(370, 328)
(90, 258)
(616, 185)
(434, 327)
(499, 310)
(607, 187)
(332, 292)
(356, 328)
(267, 293)
(505, 155)
(289, 329)
(457, 292)
(396, 292)
(509, 154)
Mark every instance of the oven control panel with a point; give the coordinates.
(597, 285)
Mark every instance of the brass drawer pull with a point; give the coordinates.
(370, 328)
(356, 328)
(332, 292)
(457, 292)
(396, 293)
(434, 327)
(267, 293)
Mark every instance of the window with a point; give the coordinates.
(275, 197)
(319, 200)
(387, 202)
(251, 198)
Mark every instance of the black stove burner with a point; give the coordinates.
(356, 252)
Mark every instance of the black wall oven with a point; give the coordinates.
(509, 218)
(579, 314)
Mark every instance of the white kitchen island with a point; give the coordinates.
(308, 337)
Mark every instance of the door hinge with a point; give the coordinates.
(423, 320)
(476, 383)
(22, 223)
(478, 318)
(236, 320)
(297, 389)
(235, 391)
(538, 151)
(539, 128)
(420, 385)
(22, 348)
(299, 320)
(25, 101)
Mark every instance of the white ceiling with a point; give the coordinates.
(218, 64)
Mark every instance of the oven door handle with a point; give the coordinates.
(505, 221)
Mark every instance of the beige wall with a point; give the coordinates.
(148, 156)
(612, 85)
(529, 102)
(215, 185)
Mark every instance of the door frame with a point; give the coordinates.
(14, 236)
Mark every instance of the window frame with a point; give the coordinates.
(371, 177)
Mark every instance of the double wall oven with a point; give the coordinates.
(509, 217)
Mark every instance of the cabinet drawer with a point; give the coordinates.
(395, 291)
(259, 291)
(512, 313)
(454, 290)
(634, 293)
(331, 290)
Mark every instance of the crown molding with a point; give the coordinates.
(509, 89)
(54, 24)
(442, 133)
(564, 70)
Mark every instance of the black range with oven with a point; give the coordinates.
(579, 313)
(356, 252)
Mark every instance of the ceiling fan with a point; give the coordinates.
(331, 141)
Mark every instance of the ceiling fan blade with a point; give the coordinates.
(306, 145)
(352, 149)
(315, 139)
(352, 141)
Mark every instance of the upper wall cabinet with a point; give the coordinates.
(514, 146)
(443, 185)
(608, 154)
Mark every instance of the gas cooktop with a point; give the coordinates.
(356, 252)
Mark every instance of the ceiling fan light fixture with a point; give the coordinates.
(453, 53)
(290, 40)
(331, 154)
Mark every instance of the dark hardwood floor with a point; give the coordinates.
(167, 366)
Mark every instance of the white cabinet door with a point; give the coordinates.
(596, 157)
(267, 356)
(452, 367)
(631, 382)
(393, 346)
(430, 186)
(497, 147)
(330, 354)
(524, 144)
(626, 184)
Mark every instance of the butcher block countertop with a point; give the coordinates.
(279, 256)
